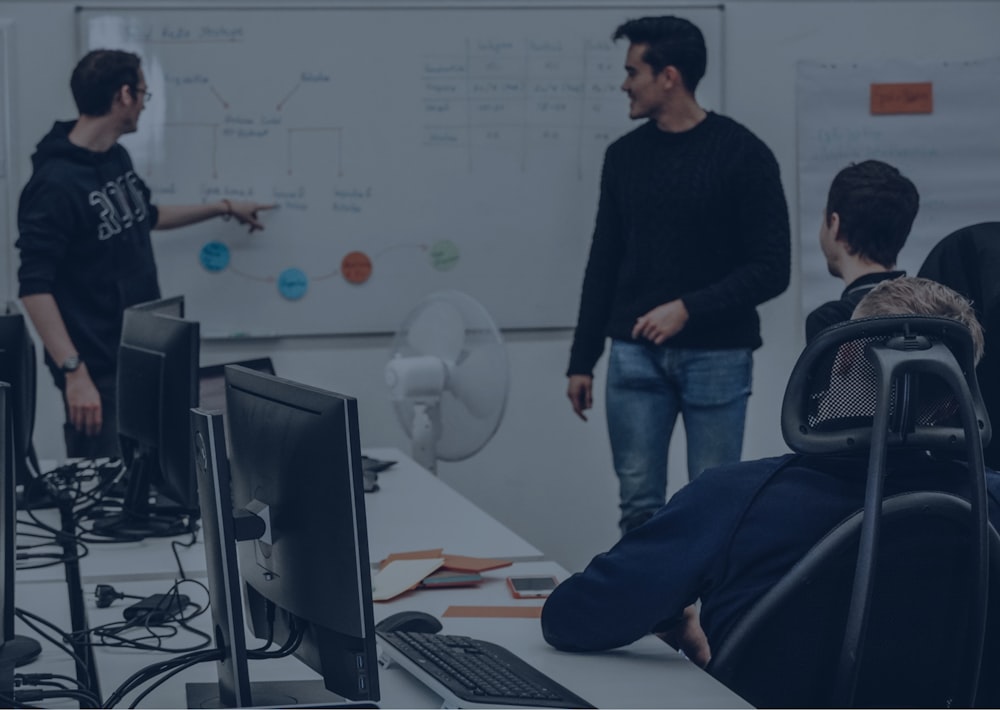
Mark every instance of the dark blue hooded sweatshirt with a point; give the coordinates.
(84, 222)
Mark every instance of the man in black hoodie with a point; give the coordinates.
(84, 222)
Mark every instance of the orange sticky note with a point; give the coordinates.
(494, 612)
(915, 97)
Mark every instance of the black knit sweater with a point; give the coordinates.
(698, 215)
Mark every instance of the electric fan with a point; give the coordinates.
(448, 377)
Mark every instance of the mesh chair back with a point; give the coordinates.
(833, 394)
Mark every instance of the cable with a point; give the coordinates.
(171, 674)
(153, 670)
(174, 544)
(111, 635)
(80, 692)
(36, 695)
(270, 610)
(32, 621)
(34, 677)
(292, 643)
(9, 702)
(58, 537)
(50, 538)
(106, 595)
(165, 626)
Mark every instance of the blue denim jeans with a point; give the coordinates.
(648, 386)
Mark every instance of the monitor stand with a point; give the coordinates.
(34, 493)
(20, 650)
(137, 518)
(6, 680)
(275, 693)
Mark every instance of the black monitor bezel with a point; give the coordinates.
(216, 374)
(169, 306)
(18, 367)
(149, 337)
(15, 650)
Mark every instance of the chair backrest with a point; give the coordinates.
(888, 609)
(968, 261)
(785, 651)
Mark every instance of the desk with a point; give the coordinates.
(647, 673)
(416, 510)
(412, 510)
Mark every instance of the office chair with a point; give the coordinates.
(890, 609)
(968, 261)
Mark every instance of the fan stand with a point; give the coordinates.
(423, 434)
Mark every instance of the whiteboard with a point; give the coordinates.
(952, 154)
(410, 148)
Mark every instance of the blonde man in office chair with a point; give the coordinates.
(731, 534)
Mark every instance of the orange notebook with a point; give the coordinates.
(458, 563)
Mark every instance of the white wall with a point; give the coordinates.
(545, 474)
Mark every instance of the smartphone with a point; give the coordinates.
(531, 586)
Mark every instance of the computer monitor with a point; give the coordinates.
(157, 387)
(19, 369)
(295, 464)
(170, 306)
(14, 649)
(212, 381)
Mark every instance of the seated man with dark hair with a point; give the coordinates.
(869, 211)
(728, 536)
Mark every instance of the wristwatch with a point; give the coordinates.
(70, 364)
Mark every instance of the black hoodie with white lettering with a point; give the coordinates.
(84, 222)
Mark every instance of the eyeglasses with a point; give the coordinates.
(146, 96)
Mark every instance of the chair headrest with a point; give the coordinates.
(917, 369)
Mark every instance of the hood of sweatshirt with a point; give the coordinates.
(56, 145)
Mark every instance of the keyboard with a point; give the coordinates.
(475, 673)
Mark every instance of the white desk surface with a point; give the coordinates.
(645, 674)
(412, 510)
(415, 510)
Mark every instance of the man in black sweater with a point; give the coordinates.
(691, 235)
(869, 212)
(84, 222)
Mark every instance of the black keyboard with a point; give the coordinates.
(477, 672)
